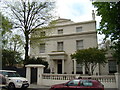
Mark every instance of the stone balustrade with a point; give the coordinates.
(59, 76)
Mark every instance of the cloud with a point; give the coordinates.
(76, 10)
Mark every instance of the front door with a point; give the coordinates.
(59, 67)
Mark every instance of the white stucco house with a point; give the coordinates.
(63, 40)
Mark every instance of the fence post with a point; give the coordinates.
(117, 77)
(28, 74)
(39, 74)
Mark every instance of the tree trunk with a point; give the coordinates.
(26, 46)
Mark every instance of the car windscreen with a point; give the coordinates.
(13, 74)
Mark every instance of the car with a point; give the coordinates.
(79, 84)
(3, 83)
(14, 80)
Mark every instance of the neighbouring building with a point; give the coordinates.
(63, 40)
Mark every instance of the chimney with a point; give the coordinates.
(93, 15)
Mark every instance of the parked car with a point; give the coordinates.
(79, 84)
(3, 83)
(14, 80)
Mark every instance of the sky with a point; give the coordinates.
(77, 11)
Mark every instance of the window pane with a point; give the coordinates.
(79, 44)
(86, 83)
(60, 46)
(42, 48)
(78, 29)
(73, 83)
(112, 66)
(60, 31)
(42, 33)
(78, 67)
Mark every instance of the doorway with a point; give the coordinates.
(59, 67)
(33, 75)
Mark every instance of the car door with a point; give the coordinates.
(85, 85)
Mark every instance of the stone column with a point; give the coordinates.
(28, 74)
(63, 66)
(90, 69)
(117, 77)
(83, 69)
(51, 66)
(74, 66)
(98, 68)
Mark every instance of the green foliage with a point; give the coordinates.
(37, 61)
(110, 22)
(10, 57)
(90, 56)
(6, 27)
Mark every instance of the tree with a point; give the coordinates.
(29, 15)
(90, 58)
(110, 23)
(6, 27)
(16, 42)
(10, 57)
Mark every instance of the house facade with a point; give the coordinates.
(62, 40)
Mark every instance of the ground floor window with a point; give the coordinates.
(112, 66)
(79, 68)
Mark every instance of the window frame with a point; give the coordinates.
(60, 31)
(79, 29)
(42, 48)
(60, 46)
(81, 46)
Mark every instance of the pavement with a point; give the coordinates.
(38, 86)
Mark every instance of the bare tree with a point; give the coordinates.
(28, 15)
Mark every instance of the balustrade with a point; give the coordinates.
(106, 78)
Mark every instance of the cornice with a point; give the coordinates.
(66, 35)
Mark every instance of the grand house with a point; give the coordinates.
(63, 40)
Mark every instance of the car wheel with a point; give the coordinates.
(11, 86)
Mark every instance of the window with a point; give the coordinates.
(79, 44)
(112, 66)
(60, 46)
(74, 83)
(42, 48)
(42, 33)
(86, 83)
(60, 31)
(78, 29)
(79, 68)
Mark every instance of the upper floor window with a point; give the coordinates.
(42, 48)
(59, 46)
(60, 31)
(79, 44)
(78, 29)
(42, 33)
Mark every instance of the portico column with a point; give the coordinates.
(51, 66)
(63, 64)
(83, 69)
(74, 66)
(98, 68)
(28, 74)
